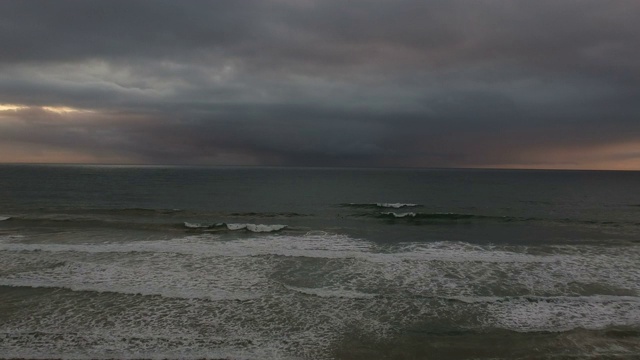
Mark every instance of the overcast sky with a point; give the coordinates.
(411, 83)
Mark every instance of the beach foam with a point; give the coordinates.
(298, 294)
(438, 268)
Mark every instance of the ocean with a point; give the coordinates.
(151, 262)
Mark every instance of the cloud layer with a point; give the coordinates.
(479, 83)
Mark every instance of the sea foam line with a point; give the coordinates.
(319, 244)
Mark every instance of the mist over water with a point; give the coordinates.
(284, 263)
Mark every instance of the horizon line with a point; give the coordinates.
(309, 167)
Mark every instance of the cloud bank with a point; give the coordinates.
(482, 83)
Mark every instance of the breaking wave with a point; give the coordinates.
(267, 214)
(379, 205)
(198, 225)
(441, 216)
(256, 228)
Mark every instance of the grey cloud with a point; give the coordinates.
(359, 83)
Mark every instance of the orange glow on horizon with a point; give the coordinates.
(618, 156)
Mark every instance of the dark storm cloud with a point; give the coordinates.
(359, 83)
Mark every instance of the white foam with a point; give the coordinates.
(446, 269)
(4, 217)
(395, 205)
(564, 313)
(196, 225)
(257, 228)
(331, 292)
(236, 226)
(399, 215)
(209, 245)
(8, 238)
(332, 283)
(164, 274)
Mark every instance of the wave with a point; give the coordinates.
(441, 216)
(63, 221)
(426, 218)
(426, 268)
(126, 211)
(523, 288)
(256, 228)
(267, 214)
(146, 210)
(208, 293)
(549, 299)
(331, 293)
(395, 205)
(398, 215)
(66, 220)
(379, 205)
(152, 327)
(351, 285)
(191, 225)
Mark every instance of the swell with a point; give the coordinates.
(435, 216)
(134, 211)
(61, 221)
(151, 212)
(130, 290)
(148, 224)
(452, 217)
(379, 205)
(577, 300)
(267, 214)
(255, 228)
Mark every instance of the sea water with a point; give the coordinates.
(288, 263)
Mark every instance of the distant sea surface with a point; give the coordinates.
(293, 263)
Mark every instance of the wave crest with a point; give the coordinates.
(380, 205)
(432, 216)
(256, 228)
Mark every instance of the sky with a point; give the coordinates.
(378, 83)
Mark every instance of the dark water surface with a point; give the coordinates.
(282, 263)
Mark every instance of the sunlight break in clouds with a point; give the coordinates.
(11, 107)
(54, 109)
(62, 109)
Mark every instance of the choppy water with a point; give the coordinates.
(254, 263)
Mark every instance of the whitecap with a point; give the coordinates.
(395, 205)
(399, 215)
(233, 227)
(256, 228)
(331, 293)
(195, 225)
